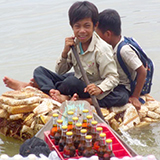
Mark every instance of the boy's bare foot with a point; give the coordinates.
(75, 97)
(14, 84)
(33, 83)
(57, 96)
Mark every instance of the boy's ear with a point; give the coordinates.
(108, 33)
(96, 25)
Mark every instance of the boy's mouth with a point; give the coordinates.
(81, 37)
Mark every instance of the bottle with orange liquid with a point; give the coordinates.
(96, 143)
(84, 122)
(77, 137)
(75, 120)
(89, 124)
(93, 131)
(109, 148)
(88, 151)
(62, 140)
(69, 150)
(102, 146)
(70, 121)
(57, 135)
(82, 143)
(54, 127)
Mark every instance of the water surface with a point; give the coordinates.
(32, 33)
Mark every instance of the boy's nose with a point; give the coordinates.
(82, 29)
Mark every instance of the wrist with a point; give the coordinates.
(135, 97)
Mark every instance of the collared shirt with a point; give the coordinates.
(97, 61)
(130, 59)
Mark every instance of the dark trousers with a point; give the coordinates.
(48, 80)
(68, 84)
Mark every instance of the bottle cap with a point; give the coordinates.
(83, 131)
(55, 115)
(69, 133)
(108, 140)
(78, 124)
(102, 135)
(70, 112)
(59, 121)
(99, 128)
(75, 118)
(94, 122)
(85, 111)
(64, 127)
(88, 137)
(89, 117)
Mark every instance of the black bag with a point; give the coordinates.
(34, 146)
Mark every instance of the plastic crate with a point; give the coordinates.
(118, 148)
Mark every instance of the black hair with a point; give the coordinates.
(109, 19)
(80, 10)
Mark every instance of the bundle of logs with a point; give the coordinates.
(24, 112)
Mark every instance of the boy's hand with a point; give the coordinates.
(135, 101)
(69, 41)
(92, 89)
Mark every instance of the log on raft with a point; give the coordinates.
(24, 112)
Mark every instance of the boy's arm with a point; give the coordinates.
(64, 64)
(141, 75)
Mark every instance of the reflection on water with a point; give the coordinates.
(9, 145)
(144, 140)
(32, 33)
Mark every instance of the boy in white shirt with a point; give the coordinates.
(109, 29)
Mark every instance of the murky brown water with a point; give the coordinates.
(32, 33)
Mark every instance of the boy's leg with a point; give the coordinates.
(72, 85)
(118, 97)
(15, 84)
(47, 79)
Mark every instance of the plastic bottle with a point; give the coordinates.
(89, 124)
(102, 146)
(126, 158)
(57, 135)
(17, 157)
(93, 131)
(84, 122)
(62, 140)
(109, 147)
(114, 158)
(54, 127)
(151, 157)
(32, 157)
(96, 143)
(70, 121)
(69, 149)
(88, 151)
(138, 157)
(82, 143)
(77, 137)
(75, 120)
(4, 157)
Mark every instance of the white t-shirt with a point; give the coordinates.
(130, 59)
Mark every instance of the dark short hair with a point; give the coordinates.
(109, 19)
(80, 10)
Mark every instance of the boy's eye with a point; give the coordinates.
(76, 26)
(87, 25)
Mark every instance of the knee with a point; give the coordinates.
(71, 81)
(38, 70)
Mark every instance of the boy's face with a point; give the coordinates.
(104, 36)
(83, 30)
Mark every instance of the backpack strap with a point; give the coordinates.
(123, 66)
